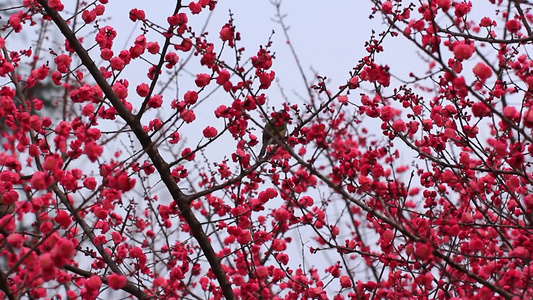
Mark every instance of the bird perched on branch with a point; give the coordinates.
(275, 130)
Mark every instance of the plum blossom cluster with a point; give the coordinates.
(417, 187)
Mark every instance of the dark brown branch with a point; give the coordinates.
(160, 164)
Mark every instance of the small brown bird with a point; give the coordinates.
(6, 209)
(275, 128)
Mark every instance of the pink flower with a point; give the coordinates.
(202, 80)
(463, 51)
(482, 71)
(63, 62)
(210, 132)
(116, 281)
(93, 283)
(143, 89)
(191, 97)
(513, 25)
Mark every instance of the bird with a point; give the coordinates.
(275, 129)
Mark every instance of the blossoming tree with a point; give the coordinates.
(110, 195)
